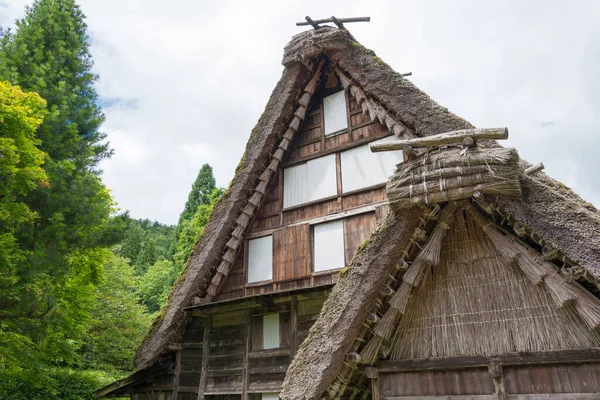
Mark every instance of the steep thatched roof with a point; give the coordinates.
(549, 209)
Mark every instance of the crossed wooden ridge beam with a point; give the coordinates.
(339, 22)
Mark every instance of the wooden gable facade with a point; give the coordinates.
(291, 229)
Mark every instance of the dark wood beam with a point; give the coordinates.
(573, 356)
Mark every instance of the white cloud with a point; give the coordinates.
(185, 81)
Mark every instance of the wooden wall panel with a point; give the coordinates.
(358, 119)
(356, 230)
(336, 140)
(226, 353)
(291, 248)
(265, 223)
(294, 284)
(311, 211)
(307, 136)
(432, 383)
(233, 286)
(374, 130)
(573, 378)
(305, 151)
(363, 198)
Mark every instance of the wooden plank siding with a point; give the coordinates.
(235, 362)
(571, 373)
(291, 228)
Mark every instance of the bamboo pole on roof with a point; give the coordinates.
(442, 139)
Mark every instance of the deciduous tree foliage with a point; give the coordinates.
(20, 172)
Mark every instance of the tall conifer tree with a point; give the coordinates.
(65, 248)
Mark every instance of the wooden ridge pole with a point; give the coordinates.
(335, 20)
(443, 138)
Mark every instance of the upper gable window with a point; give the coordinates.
(313, 180)
(362, 168)
(260, 259)
(334, 107)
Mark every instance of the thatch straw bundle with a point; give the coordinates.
(476, 302)
(454, 174)
(588, 308)
(370, 352)
(399, 300)
(431, 251)
(530, 268)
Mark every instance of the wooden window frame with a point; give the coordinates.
(312, 242)
(247, 263)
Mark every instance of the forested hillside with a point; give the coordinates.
(79, 281)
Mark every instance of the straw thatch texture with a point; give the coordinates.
(453, 174)
(478, 303)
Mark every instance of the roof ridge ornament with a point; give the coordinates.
(339, 22)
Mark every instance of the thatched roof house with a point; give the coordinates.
(477, 264)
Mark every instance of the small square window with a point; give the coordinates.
(260, 259)
(270, 396)
(336, 118)
(329, 245)
(271, 331)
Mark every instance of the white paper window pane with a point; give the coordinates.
(271, 331)
(362, 168)
(334, 107)
(295, 185)
(313, 180)
(329, 245)
(322, 179)
(260, 259)
(270, 396)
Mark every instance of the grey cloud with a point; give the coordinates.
(200, 73)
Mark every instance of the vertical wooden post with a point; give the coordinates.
(280, 176)
(245, 274)
(338, 170)
(177, 374)
(495, 370)
(321, 105)
(373, 374)
(205, 351)
(348, 116)
(294, 325)
(247, 344)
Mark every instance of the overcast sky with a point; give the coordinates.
(183, 82)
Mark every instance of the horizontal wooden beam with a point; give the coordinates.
(450, 363)
(443, 138)
(319, 220)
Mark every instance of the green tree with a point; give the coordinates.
(64, 249)
(201, 193)
(154, 285)
(20, 172)
(118, 323)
